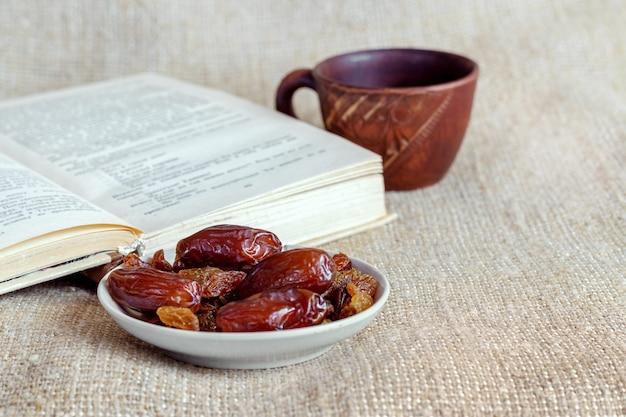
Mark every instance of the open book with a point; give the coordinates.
(140, 162)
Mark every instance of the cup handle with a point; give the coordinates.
(288, 86)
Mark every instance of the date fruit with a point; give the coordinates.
(225, 246)
(272, 310)
(147, 289)
(311, 269)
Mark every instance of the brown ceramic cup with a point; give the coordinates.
(411, 106)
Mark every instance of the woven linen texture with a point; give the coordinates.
(508, 277)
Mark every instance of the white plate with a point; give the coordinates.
(249, 350)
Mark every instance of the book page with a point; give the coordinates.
(31, 206)
(155, 151)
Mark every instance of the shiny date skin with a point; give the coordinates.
(272, 310)
(147, 289)
(307, 268)
(225, 246)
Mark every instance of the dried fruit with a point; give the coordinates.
(133, 260)
(311, 269)
(272, 310)
(339, 295)
(146, 289)
(178, 317)
(158, 261)
(206, 316)
(365, 283)
(359, 301)
(342, 261)
(225, 246)
(215, 282)
(238, 279)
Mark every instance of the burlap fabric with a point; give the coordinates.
(508, 277)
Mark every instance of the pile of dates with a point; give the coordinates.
(230, 278)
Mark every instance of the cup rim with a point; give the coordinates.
(468, 78)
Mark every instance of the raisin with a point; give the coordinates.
(158, 261)
(206, 316)
(178, 317)
(359, 301)
(339, 295)
(311, 269)
(132, 260)
(365, 282)
(342, 261)
(215, 282)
